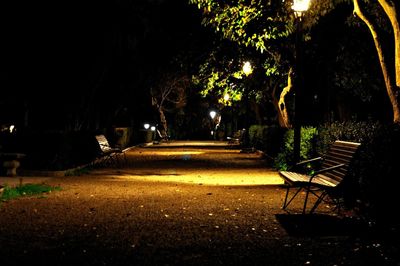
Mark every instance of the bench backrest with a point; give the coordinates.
(340, 152)
(103, 143)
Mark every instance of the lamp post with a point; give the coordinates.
(247, 70)
(212, 115)
(299, 7)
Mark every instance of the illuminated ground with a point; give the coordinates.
(196, 163)
(180, 205)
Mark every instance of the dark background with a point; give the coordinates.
(63, 59)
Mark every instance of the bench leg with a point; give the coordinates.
(319, 200)
(305, 201)
(286, 203)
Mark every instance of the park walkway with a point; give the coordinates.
(178, 205)
(199, 162)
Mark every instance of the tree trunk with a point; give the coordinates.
(164, 126)
(280, 104)
(390, 10)
(391, 88)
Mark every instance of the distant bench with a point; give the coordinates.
(237, 138)
(109, 154)
(11, 161)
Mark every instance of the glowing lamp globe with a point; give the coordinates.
(300, 6)
(213, 114)
(247, 69)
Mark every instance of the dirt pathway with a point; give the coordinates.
(177, 206)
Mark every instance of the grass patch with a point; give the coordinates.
(25, 190)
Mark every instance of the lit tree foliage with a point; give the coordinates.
(222, 74)
(268, 27)
(241, 25)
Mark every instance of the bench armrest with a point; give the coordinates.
(295, 166)
(309, 161)
(328, 169)
(324, 170)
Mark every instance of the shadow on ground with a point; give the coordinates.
(321, 225)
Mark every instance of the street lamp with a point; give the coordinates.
(226, 97)
(247, 68)
(212, 115)
(299, 7)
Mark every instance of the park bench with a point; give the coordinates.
(108, 154)
(325, 182)
(237, 138)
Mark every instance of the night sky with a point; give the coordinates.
(53, 52)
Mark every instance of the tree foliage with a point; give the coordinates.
(263, 31)
(268, 27)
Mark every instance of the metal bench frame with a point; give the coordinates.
(109, 155)
(325, 181)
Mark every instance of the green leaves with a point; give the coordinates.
(249, 23)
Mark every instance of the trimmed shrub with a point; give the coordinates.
(266, 138)
(257, 136)
(307, 147)
(55, 150)
(377, 173)
(356, 131)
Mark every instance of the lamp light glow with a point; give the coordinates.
(247, 68)
(213, 114)
(300, 6)
(153, 128)
(226, 97)
(146, 126)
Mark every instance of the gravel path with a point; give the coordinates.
(181, 206)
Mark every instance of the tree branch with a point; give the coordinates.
(390, 87)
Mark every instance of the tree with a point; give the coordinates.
(168, 95)
(371, 15)
(268, 26)
(266, 29)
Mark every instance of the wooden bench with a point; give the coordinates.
(237, 138)
(326, 180)
(109, 154)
